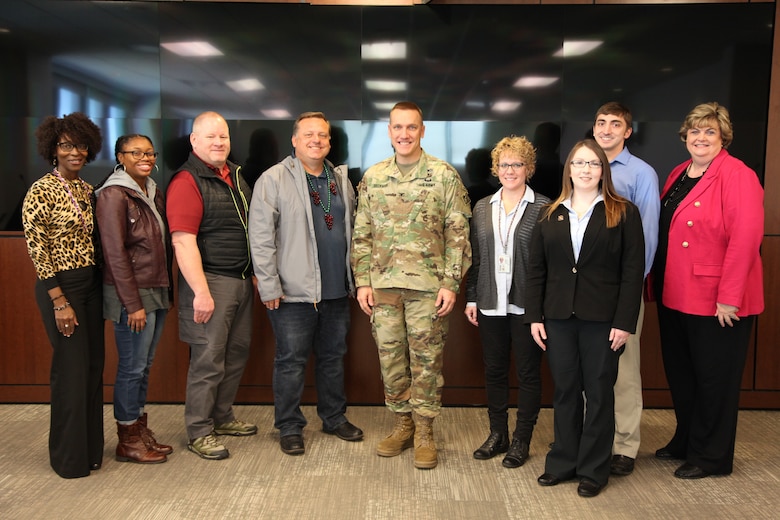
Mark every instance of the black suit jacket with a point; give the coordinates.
(605, 284)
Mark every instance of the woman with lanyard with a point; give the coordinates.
(58, 225)
(501, 229)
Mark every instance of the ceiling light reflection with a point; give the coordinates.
(276, 113)
(577, 48)
(535, 81)
(383, 51)
(383, 85)
(384, 105)
(245, 85)
(505, 106)
(189, 49)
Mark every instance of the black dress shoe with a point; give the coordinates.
(292, 444)
(548, 479)
(589, 488)
(689, 471)
(621, 465)
(666, 454)
(496, 443)
(95, 466)
(517, 454)
(346, 432)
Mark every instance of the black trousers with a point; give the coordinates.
(704, 364)
(76, 428)
(501, 337)
(581, 361)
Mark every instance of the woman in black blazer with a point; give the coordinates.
(584, 284)
(501, 228)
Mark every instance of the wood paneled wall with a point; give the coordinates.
(25, 353)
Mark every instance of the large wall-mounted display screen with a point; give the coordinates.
(478, 73)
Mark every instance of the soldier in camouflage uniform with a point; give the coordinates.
(410, 250)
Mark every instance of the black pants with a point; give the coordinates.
(704, 364)
(581, 361)
(76, 429)
(502, 336)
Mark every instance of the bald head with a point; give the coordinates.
(210, 139)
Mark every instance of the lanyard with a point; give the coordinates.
(505, 240)
(72, 197)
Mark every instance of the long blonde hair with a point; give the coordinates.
(614, 204)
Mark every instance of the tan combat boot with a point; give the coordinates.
(400, 438)
(424, 448)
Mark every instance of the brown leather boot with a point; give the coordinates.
(425, 456)
(148, 437)
(131, 447)
(400, 438)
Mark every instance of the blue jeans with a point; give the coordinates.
(300, 329)
(136, 353)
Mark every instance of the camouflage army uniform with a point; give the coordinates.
(411, 238)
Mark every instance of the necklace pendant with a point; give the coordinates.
(315, 197)
(329, 220)
(333, 187)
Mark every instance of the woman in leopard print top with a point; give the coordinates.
(58, 224)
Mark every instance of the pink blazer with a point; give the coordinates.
(714, 241)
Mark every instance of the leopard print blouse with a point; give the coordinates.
(56, 236)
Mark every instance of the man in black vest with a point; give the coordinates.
(208, 204)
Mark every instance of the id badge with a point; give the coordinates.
(504, 264)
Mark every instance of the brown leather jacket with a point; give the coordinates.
(137, 253)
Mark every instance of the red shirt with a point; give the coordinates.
(184, 202)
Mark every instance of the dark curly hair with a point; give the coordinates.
(79, 128)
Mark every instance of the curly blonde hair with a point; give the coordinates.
(519, 147)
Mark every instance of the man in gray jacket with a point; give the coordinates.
(300, 227)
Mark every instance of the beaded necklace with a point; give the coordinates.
(76, 205)
(317, 199)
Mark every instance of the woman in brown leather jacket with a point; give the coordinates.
(136, 287)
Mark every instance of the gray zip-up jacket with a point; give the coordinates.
(281, 233)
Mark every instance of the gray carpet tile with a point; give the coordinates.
(346, 480)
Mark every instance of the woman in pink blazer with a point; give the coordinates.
(707, 280)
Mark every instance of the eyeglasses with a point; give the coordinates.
(67, 147)
(137, 154)
(515, 166)
(579, 163)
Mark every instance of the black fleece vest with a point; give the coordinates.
(222, 237)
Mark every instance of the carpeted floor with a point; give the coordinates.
(341, 480)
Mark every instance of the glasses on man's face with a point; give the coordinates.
(67, 147)
(579, 163)
(515, 166)
(137, 154)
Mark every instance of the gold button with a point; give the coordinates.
(690, 223)
(697, 203)
(685, 244)
(574, 270)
